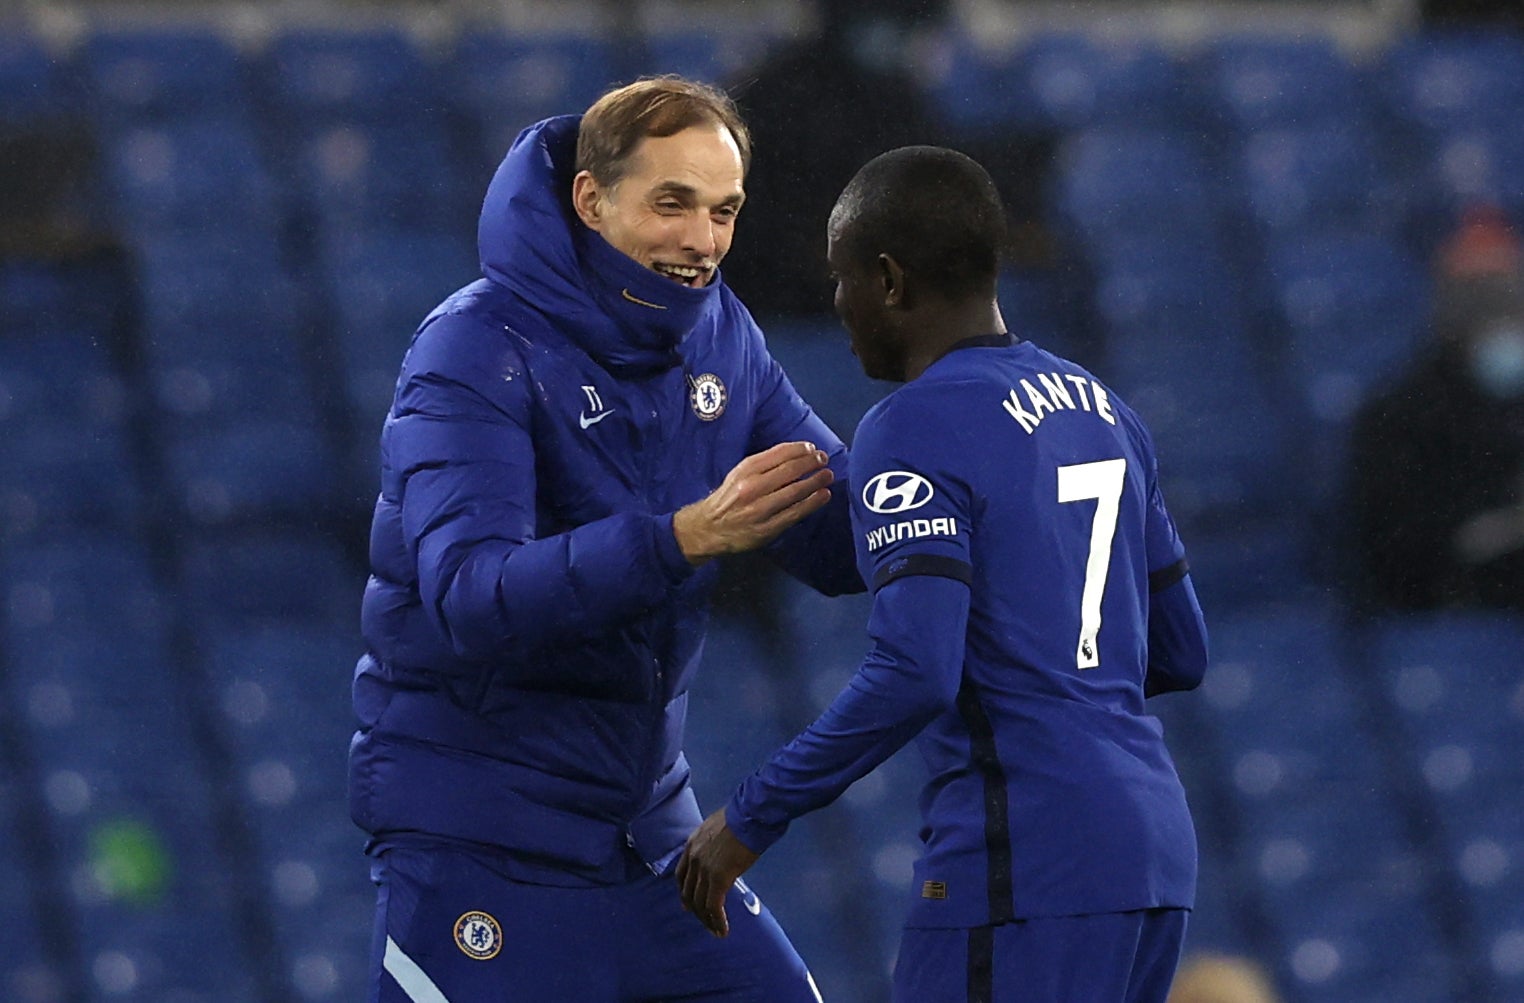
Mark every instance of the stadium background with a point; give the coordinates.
(195, 357)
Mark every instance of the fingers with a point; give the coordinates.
(703, 895)
(760, 497)
(780, 465)
(777, 488)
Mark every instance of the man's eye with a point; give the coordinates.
(669, 206)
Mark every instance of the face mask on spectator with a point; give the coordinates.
(1497, 360)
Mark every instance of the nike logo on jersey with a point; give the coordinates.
(1054, 396)
(588, 420)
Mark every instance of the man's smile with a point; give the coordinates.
(693, 276)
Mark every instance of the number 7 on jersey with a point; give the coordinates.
(1101, 481)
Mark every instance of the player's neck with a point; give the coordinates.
(948, 324)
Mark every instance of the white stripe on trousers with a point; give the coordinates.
(413, 980)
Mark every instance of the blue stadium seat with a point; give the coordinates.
(382, 284)
(808, 888)
(1240, 567)
(733, 714)
(1040, 305)
(60, 379)
(183, 947)
(250, 578)
(1361, 944)
(1217, 923)
(1466, 168)
(1452, 674)
(357, 175)
(503, 83)
(63, 476)
(320, 76)
(1279, 682)
(323, 908)
(1254, 82)
(1485, 848)
(148, 75)
(219, 298)
(1448, 80)
(46, 299)
(1456, 683)
(1326, 178)
(1352, 309)
(982, 92)
(32, 85)
(24, 959)
(1078, 82)
(1116, 182)
(200, 174)
(276, 679)
(250, 469)
(721, 58)
(97, 583)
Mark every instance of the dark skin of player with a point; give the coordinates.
(897, 329)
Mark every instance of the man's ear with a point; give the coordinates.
(891, 279)
(587, 199)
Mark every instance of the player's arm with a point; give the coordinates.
(911, 675)
(1177, 639)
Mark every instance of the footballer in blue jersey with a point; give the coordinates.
(1030, 591)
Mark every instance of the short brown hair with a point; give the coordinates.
(652, 106)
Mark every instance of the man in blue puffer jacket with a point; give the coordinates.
(573, 438)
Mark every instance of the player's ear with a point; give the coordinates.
(891, 279)
(587, 199)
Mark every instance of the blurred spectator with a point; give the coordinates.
(1437, 462)
(45, 171)
(818, 110)
(1505, 13)
(1219, 978)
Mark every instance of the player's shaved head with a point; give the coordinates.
(934, 210)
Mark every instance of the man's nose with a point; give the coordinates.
(698, 236)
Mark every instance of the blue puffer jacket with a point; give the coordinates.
(532, 625)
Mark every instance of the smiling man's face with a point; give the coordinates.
(674, 210)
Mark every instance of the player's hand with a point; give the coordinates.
(762, 496)
(711, 862)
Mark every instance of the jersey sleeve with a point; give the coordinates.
(911, 674)
(1177, 638)
(912, 514)
(911, 520)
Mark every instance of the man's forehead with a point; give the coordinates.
(699, 157)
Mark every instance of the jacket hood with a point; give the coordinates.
(530, 240)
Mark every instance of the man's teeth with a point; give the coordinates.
(682, 272)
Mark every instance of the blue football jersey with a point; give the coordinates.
(1010, 488)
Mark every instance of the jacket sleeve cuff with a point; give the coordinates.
(668, 553)
(754, 835)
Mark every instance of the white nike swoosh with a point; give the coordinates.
(584, 419)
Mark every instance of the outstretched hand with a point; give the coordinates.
(711, 862)
(759, 498)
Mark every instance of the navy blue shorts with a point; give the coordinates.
(451, 929)
(1125, 957)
